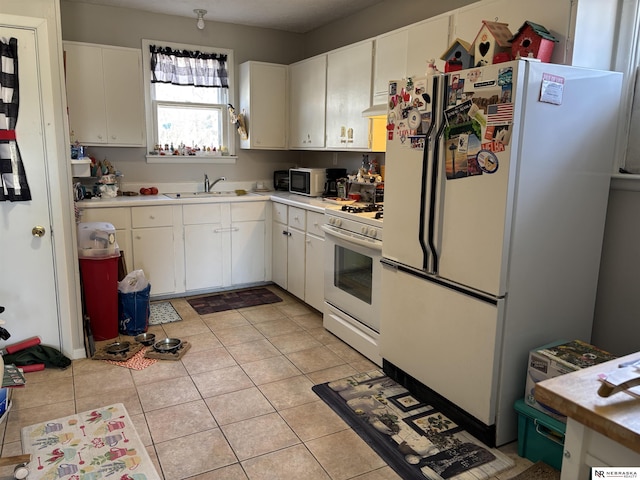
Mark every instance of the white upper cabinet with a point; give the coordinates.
(406, 53)
(390, 62)
(307, 95)
(104, 94)
(349, 72)
(263, 102)
(428, 40)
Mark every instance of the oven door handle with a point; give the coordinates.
(375, 245)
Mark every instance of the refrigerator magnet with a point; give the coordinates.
(487, 161)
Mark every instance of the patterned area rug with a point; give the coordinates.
(415, 439)
(102, 443)
(232, 300)
(163, 312)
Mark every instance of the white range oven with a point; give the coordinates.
(353, 250)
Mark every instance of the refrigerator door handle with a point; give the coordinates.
(435, 166)
(423, 186)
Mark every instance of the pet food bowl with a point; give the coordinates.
(168, 345)
(118, 347)
(145, 338)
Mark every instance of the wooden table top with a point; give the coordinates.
(575, 395)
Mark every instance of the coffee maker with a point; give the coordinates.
(331, 185)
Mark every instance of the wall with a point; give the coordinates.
(127, 27)
(617, 317)
(380, 18)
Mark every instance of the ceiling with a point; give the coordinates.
(298, 16)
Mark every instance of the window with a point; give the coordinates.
(188, 89)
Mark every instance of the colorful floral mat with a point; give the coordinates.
(221, 302)
(92, 445)
(162, 312)
(415, 439)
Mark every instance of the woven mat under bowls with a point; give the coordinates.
(151, 353)
(101, 353)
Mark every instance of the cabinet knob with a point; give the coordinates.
(151, 217)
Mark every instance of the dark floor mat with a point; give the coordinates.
(415, 439)
(232, 300)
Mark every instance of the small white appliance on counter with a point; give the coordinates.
(496, 188)
(307, 181)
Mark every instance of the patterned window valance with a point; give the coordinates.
(185, 67)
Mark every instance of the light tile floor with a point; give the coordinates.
(238, 406)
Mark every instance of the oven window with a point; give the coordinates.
(353, 273)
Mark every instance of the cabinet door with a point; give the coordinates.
(153, 252)
(263, 102)
(85, 93)
(314, 272)
(279, 240)
(124, 105)
(390, 63)
(349, 73)
(307, 90)
(295, 263)
(203, 256)
(428, 40)
(247, 252)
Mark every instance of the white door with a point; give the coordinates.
(28, 285)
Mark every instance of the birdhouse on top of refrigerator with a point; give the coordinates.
(532, 41)
(492, 45)
(458, 56)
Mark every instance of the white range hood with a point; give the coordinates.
(379, 110)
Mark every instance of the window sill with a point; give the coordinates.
(625, 181)
(182, 159)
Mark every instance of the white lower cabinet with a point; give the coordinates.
(295, 262)
(298, 253)
(154, 247)
(224, 244)
(203, 246)
(314, 261)
(248, 235)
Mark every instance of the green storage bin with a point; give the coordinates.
(540, 437)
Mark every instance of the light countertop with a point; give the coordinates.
(316, 204)
(575, 395)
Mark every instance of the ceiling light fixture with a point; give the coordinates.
(200, 13)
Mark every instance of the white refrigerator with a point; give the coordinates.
(496, 189)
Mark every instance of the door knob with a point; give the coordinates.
(38, 231)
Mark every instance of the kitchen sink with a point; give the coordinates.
(223, 193)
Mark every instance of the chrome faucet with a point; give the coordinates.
(208, 186)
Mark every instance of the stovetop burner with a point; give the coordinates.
(371, 207)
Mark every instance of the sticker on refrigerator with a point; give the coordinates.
(499, 113)
(552, 89)
(487, 161)
(460, 156)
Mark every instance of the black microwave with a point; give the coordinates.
(281, 180)
(307, 181)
